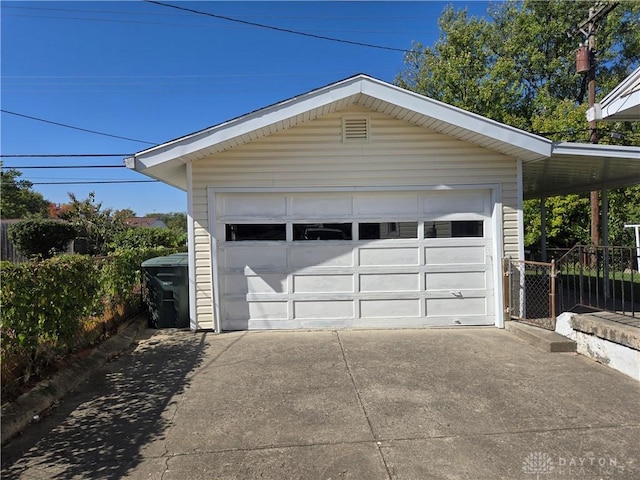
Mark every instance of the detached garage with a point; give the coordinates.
(359, 204)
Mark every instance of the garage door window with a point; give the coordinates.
(385, 230)
(238, 232)
(454, 229)
(322, 231)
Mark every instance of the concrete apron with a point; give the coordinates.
(472, 403)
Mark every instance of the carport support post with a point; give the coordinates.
(636, 227)
(605, 240)
(543, 229)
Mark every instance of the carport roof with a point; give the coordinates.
(579, 167)
(621, 104)
(166, 162)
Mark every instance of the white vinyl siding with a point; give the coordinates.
(313, 155)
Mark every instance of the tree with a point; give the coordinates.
(176, 221)
(41, 237)
(514, 65)
(145, 237)
(517, 66)
(17, 199)
(93, 223)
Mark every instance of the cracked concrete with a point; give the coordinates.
(466, 403)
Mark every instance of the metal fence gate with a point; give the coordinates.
(530, 292)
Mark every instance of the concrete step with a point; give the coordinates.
(546, 340)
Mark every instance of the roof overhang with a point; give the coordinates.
(166, 162)
(621, 104)
(579, 168)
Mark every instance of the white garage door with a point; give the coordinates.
(354, 259)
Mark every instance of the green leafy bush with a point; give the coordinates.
(41, 237)
(46, 306)
(145, 237)
(43, 302)
(122, 273)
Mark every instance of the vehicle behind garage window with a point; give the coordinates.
(238, 232)
(322, 231)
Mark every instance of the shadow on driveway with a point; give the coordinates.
(110, 418)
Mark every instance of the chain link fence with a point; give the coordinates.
(530, 289)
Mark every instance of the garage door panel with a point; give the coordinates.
(256, 206)
(390, 282)
(376, 205)
(458, 307)
(454, 255)
(323, 309)
(455, 202)
(316, 206)
(321, 256)
(460, 280)
(240, 308)
(389, 256)
(265, 283)
(239, 258)
(390, 308)
(323, 283)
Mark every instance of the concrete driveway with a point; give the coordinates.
(466, 403)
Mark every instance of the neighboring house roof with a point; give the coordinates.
(145, 222)
(621, 104)
(613, 166)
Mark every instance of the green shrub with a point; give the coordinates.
(122, 273)
(41, 237)
(145, 237)
(43, 302)
(48, 306)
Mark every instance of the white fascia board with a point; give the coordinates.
(248, 123)
(626, 86)
(595, 150)
(623, 108)
(458, 117)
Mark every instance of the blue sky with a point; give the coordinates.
(152, 73)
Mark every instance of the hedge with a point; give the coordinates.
(46, 304)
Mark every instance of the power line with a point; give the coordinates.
(204, 76)
(140, 22)
(279, 29)
(75, 128)
(18, 167)
(571, 130)
(83, 182)
(290, 17)
(63, 155)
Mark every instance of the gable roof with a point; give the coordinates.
(165, 162)
(548, 168)
(622, 103)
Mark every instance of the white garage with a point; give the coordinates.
(359, 204)
(354, 259)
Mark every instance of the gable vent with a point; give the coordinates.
(356, 128)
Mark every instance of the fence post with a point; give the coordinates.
(506, 287)
(552, 293)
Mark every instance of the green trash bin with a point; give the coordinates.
(167, 281)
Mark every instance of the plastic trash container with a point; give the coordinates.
(167, 281)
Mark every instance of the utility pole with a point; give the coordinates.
(589, 28)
